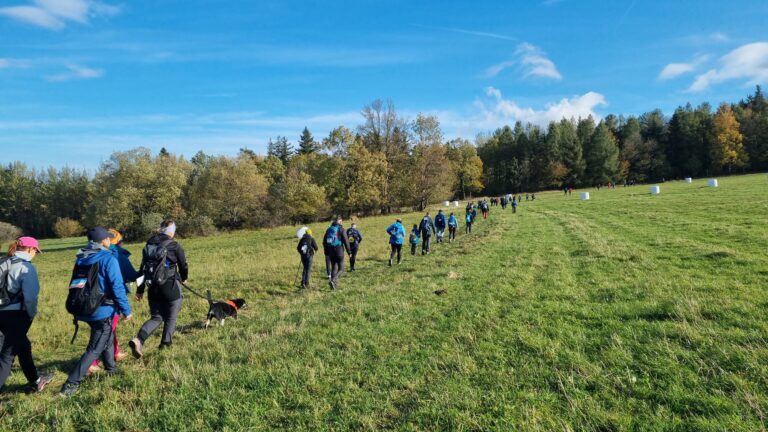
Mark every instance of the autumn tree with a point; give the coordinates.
(728, 145)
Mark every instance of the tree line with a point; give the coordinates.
(694, 142)
(385, 164)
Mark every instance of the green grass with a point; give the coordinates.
(626, 312)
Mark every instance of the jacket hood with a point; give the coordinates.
(87, 255)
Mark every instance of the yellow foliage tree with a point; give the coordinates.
(728, 146)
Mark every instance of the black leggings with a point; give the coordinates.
(352, 257)
(451, 233)
(397, 249)
(469, 227)
(13, 330)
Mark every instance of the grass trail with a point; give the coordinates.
(627, 312)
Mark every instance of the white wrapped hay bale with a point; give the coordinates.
(655, 190)
(712, 183)
(447, 203)
(455, 203)
(688, 180)
(585, 196)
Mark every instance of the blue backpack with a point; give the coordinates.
(469, 217)
(333, 236)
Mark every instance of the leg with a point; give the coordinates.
(115, 321)
(108, 355)
(392, 247)
(352, 258)
(171, 313)
(307, 262)
(399, 253)
(153, 323)
(339, 267)
(328, 265)
(19, 344)
(101, 334)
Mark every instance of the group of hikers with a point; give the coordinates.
(98, 296)
(98, 289)
(338, 242)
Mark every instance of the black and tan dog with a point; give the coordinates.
(223, 310)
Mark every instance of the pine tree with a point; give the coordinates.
(281, 149)
(727, 147)
(602, 156)
(307, 143)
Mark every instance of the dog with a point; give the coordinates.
(223, 310)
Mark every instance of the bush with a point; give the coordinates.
(9, 232)
(149, 225)
(196, 226)
(65, 227)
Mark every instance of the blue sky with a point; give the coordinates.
(80, 79)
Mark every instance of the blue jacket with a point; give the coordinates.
(126, 268)
(440, 221)
(452, 221)
(396, 233)
(426, 226)
(110, 279)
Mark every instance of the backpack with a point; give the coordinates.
(469, 217)
(413, 238)
(154, 257)
(425, 226)
(7, 297)
(304, 247)
(333, 236)
(85, 294)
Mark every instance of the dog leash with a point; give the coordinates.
(195, 292)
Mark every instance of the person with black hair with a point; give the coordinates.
(335, 243)
(355, 238)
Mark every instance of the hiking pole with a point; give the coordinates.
(297, 274)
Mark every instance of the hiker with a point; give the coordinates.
(533, 197)
(484, 209)
(504, 203)
(414, 238)
(334, 244)
(355, 238)
(514, 206)
(396, 233)
(427, 228)
(307, 247)
(453, 223)
(19, 290)
(129, 275)
(440, 225)
(96, 257)
(469, 219)
(165, 269)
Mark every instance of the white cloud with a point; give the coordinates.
(674, 70)
(76, 72)
(54, 14)
(748, 62)
(6, 63)
(719, 37)
(533, 62)
(504, 111)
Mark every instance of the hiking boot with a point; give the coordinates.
(42, 381)
(68, 389)
(332, 284)
(165, 345)
(390, 262)
(136, 347)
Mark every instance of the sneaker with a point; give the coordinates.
(94, 369)
(121, 356)
(332, 284)
(165, 345)
(68, 389)
(136, 348)
(42, 381)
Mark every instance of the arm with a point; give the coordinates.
(359, 237)
(30, 289)
(116, 283)
(345, 241)
(126, 268)
(182, 263)
(314, 244)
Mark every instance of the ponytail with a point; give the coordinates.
(12, 248)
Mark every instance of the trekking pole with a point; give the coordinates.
(297, 274)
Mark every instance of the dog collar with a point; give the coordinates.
(231, 303)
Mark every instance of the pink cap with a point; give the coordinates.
(29, 242)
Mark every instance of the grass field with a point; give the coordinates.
(626, 312)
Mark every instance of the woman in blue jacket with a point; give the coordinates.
(102, 341)
(396, 233)
(453, 224)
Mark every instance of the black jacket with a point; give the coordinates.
(355, 238)
(338, 250)
(310, 242)
(175, 256)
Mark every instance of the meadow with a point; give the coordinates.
(625, 312)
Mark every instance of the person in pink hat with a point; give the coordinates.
(19, 290)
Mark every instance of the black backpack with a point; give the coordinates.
(155, 269)
(85, 294)
(6, 297)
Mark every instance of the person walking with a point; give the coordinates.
(427, 228)
(396, 233)
(21, 288)
(414, 238)
(307, 247)
(440, 224)
(101, 344)
(355, 238)
(453, 224)
(470, 218)
(129, 275)
(165, 269)
(335, 243)
(514, 206)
